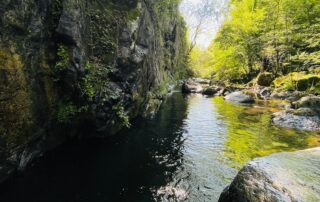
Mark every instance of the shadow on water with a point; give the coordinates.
(127, 168)
(190, 151)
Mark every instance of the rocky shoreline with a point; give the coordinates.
(282, 176)
(302, 111)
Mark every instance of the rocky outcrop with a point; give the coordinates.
(74, 67)
(302, 119)
(239, 97)
(305, 115)
(212, 90)
(279, 177)
(191, 86)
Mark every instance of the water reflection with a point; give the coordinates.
(189, 152)
(133, 167)
(251, 134)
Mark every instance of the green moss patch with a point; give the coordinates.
(300, 81)
(15, 102)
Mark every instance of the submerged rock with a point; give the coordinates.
(302, 119)
(279, 177)
(239, 97)
(191, 86)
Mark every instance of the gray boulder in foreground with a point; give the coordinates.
(283, 177)
(239, 97)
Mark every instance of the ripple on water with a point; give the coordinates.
(190, 151)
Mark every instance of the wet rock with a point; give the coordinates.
(279, 177)
(191, 86)
(265, 79)
(265, 93)
(239, 97)
(303, 119)
(222, 92)
(202, 81)
(211, 90)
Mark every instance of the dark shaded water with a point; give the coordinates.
(189, 152)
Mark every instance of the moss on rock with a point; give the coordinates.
(15, 103)
(265, 79)
(300, 81)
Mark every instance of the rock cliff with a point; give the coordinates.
(71, 67)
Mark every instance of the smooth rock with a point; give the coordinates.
(302, 119)
(239, 97)
(285, 177)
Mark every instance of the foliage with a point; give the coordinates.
(122, 117)
(67, 112)
(278, 36)
(300, 81)
(63, 59)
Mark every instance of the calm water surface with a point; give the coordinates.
(189, 152)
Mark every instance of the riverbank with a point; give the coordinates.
(191, 150)
(282, 176)
(300, 108)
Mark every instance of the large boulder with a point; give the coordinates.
(265, 79)
(211, 90)
(191, 86)
(239, 97)
(283, 177)
(302, 119)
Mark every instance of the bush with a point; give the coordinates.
(63, 58)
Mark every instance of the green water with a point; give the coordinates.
(251, 134)
(190, 151)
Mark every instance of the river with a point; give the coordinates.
(190, 151)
